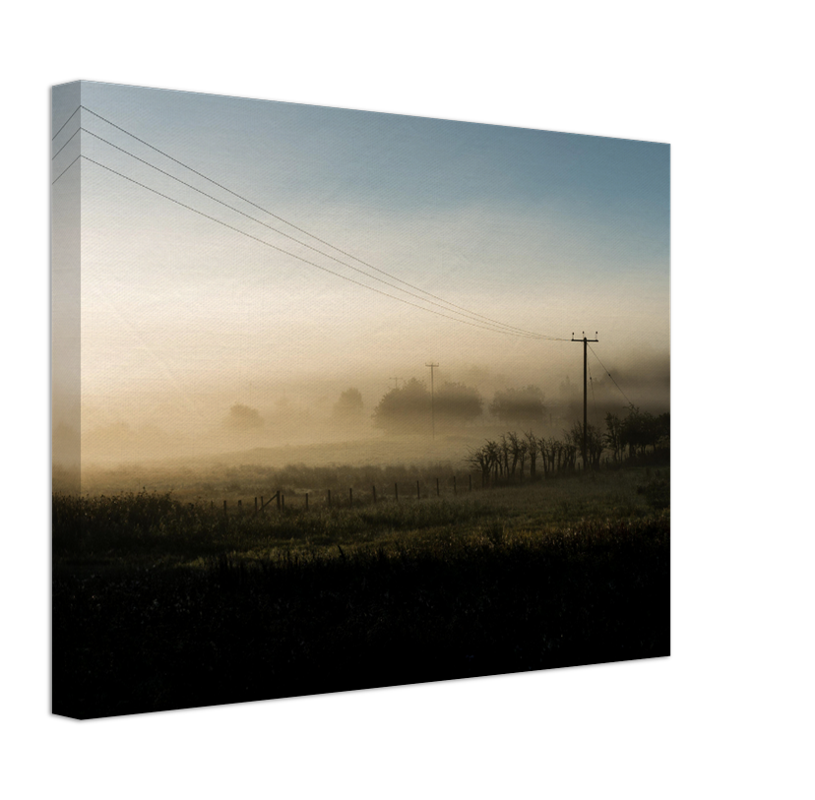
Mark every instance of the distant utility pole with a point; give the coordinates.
(585, 392)
(432, 408)
(395, 382)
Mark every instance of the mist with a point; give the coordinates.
(199, 332)
(318, 420)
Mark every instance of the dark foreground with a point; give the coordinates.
(132, 640)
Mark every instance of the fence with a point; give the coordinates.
(305, 500)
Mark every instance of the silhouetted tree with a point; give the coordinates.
(503, 454)
(614, 437)
(571, 447)
(405, 409)
(518, 405)
(594, 443)
(455, 402)
(349, 406)
(481, 459)
(637, 431)
(662, 431)
(517, 449)
(532, 448)
(493, 450)
(243, 418)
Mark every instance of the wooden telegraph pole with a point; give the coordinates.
(432, 409)
(585, 392)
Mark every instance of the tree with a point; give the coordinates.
(490, 459)
(595, 443)
(455, 402)
(349, 407)
(518, 405)
(516, 447)
(493, 451)
(662, 431)
(243, 418)
(637, 431)
(405, 409)
(614, 437)
(571, 446)
(532, 445)
(481, 459)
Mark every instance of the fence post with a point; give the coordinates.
(396, 491)
(373, 488)
(277, 499)
(306, 501)
(471, 480)
(329, 498)
(437, 488)
(350, 497)
(454, 485)
(240, 508)
(418, 492)
(225, 509)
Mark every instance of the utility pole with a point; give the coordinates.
(585, 388)
(432, 408)
(395, 382)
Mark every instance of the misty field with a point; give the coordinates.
(163, 600)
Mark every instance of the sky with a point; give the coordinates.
(554, 233)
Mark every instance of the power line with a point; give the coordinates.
(66, 122)
(610, 376)
(67, 141)
(66, 169)
(471, 315)
(299, 258)
(461, 310)
(305, 260)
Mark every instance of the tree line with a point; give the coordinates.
(408, 407)
(628, 437)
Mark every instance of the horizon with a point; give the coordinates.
(552, 233)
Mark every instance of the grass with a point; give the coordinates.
(155, 527)
(159, 604)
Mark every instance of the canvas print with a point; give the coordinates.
(345, 400)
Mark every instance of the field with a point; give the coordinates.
(162, 600)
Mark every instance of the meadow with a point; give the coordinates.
(161, 600)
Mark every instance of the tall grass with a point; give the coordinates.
(160, 603)
(147, 524)
(235, 630)
(151, 525)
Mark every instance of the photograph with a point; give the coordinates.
(346, 399)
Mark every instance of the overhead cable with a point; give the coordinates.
(475, 319)
(610, 376)
(307, 261)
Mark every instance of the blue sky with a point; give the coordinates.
(552, 232)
